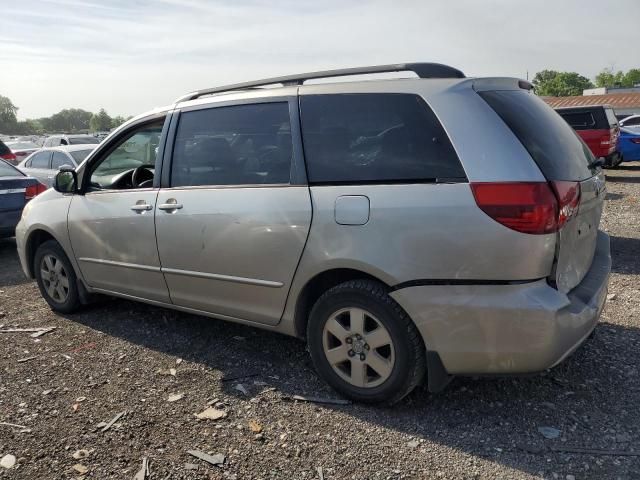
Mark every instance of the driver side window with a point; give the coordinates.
(131, 162)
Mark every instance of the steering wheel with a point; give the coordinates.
(138, 179)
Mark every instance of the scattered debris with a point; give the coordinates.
(8, 461)
(178, 361)
(596, 451)
(47, 392)
(22, 360)
(22, 427)
(217, 459)
(80, 454)
(255, 427)
(167, 371)
(413, 444)
(549, 432)
(86, 346)
(36, 332)
(174, 397)
(328, 401)
(190, 466)
(241, 388)
(210, 414)
(612, 296)
(143, 473)
(239, 377)
(80, 468)
(81, 399)
(320, 473)
(112, 421)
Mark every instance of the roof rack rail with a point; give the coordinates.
(422, 70)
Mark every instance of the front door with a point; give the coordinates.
(230, 225)
(111, 226)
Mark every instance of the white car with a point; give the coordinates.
(44, 163)
(632, 121)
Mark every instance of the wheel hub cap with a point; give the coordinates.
(54, 278)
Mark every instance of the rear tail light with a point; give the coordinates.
(9, 157)
(529, 207)
(635, 140)
(34, 190)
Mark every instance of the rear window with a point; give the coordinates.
(369, 138)
(4, 150)
(579, 120)
(80, 155)
(7, 170)
(551, 142)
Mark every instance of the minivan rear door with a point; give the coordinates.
(562, 157)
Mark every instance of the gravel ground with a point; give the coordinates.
(119, 356)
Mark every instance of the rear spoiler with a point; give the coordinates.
(500, 83)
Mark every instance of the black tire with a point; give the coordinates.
(409, 368)
(71, 302)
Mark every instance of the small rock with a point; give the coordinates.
(190, 466)
(210, 414)
(413, 444)
(8, 461)
(46, 392)
(174, 397)
(259, 437)
(178, 362)
(612, 296)
(549, 432)
(81, 399)
(81, 469)
(80, 454)
(255, 427)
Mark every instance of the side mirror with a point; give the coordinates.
(66, 180)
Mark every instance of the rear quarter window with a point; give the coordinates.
(7, 170)
(552, 143)
(4, 150)
(375, 138)
(579, 120)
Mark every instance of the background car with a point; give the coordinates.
(6, 154)
(22, 149)
(598, 126)
(629, 144)
(57, 140)
(45, 163)
(16, 189)
(631, 121)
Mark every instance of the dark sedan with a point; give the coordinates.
(16, 189)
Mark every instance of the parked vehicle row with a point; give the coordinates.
(16, 189)
(608, 136)
(45, 163)
(408, 229)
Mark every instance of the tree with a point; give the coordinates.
(117, 121)
(8, 118)
(560, 84)
(100, 121)
(607, 78)
(68, 120)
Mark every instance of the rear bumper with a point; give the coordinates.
(508, 329)
(612, 159)
(8, 221)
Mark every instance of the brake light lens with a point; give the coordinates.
(635, 140)
(536, 208)
(34, 190)
(9, 157)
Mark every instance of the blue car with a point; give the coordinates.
(16, 189)
(629, 144)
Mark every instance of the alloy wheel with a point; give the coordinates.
(54, 278)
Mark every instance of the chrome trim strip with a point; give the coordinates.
(112, 263)
(12, 190)
(224, 278)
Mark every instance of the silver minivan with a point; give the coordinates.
(409, 229)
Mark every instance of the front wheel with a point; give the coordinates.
(364, 345)
(56, 277)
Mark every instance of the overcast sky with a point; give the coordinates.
(131, 55)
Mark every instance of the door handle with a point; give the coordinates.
(141, 207)
(170, 206)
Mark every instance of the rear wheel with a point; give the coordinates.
(364, 345)
(56, 277)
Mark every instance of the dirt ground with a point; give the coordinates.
(118, 356)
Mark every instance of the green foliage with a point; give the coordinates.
(117, 121)
(67, 120)
(560, 84)
(607, 78)
(8, 118)
(100, 121)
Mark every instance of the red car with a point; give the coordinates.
(598, 126)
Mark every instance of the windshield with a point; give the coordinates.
(80, 155)
(82, 140)
(7, 170)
